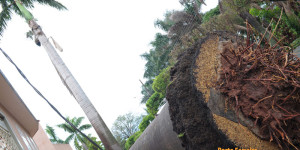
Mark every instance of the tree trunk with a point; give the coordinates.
(159, 134)
(67, 78)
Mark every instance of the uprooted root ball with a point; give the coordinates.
(263, 82)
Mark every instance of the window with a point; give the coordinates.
(7, 140)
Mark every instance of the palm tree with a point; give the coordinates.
(19, 7)
(75, 135)
(53, 138)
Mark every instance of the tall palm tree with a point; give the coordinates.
(19, 7)
(75, 135)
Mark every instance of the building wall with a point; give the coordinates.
(62, 147)
(42, 141)
(23, 139)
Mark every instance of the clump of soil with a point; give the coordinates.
(262, 82)
(188, 110)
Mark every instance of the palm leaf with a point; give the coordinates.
(76, 144)
(77, 121)
(69, 138)
(53, 138)
(85, 127)
(5, 16)
(59, 141)
(66, 128)
(50, 132)
(53, 3)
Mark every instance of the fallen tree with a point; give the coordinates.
(159, 134)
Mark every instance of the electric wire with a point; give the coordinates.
(40, 94)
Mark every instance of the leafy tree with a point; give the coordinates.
(53, 138)
(157, 58)
(79, 141)
(125, 126)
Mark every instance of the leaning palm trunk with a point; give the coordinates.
(98, 124)
(102, 130)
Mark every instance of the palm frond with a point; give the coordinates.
(69, 138)
(53, 3)
(77, 121)
(28, 3)
(85, 127)
(66, 127)
(50, 132)
(76, 144)
(53, 138)
(5, 16)
(59, 141)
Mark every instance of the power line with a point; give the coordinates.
(40, 94)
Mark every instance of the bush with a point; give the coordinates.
(153, 103)
(161, 82)
(145, 122)
(130, 141)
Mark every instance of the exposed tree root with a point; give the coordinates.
(263, 82)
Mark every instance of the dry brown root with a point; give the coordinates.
(263, 82)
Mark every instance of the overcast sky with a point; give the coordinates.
(102, 42)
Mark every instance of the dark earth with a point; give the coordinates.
(188, 111)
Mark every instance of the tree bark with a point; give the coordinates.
(159, 135)
(70, 82)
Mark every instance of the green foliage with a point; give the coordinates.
(90, 145)
(157, 59)
(208, 15)
(53, 138)
(132, 139)
(180, 135)
(142, 126)
(165, 24)
(161, 82)
(147, 90)
(145, 122)
(153, 103)
(78, 139)
(73, 134)
(288, 26)
(295, 43)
